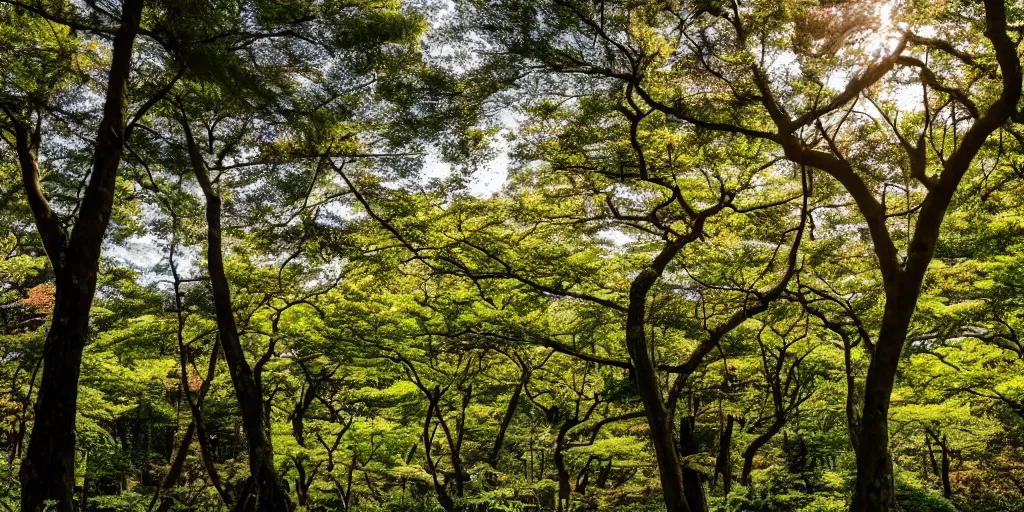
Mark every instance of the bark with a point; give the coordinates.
(648, 387)
(931, 455)
(723, 464)
(203, 438)
(692, 485)
(947, 487)
(171, 478)
(298, 414)
(852, 418)
(443, 497)
(564, 487)
(304, 480)
(873, 491)
(48, 471)
(265, 492)
(659, 417)
(196, 426)
(603, 474)
(754, 446)
(459, 474)
(506, 419)
(943, 472)
(583, 480)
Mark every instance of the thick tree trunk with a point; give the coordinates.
(48, 471)
(693, 488)
(873, 491)
(874, 488)
(267, 491)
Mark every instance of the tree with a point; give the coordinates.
(654, 57)
(48, 470)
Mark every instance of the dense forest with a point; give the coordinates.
(512, 255)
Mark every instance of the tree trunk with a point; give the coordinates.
(943, 444)
(754, 446)
(873, 491)
(603, 474)
(304, 480)
(506, 419)
(171, 478)
(852, 420)
(874, 488)
(649, 389)
(445, 499)
(692, 485)
(48, 471)
(947, 487)
(267, 491)
(564, 487)
(931, 455)
(723, 463)
(583, 481)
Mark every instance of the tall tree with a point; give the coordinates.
(734, 49)
(47, 473)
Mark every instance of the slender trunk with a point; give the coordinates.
(583, 481)
(298, 415)
(564, 488)
(459, 474)
(852, 421)
(455, 442)
(723, 464)
(304, 479)
(48, 471)
(23, 417)
(603, 474)
(943, 444)
(947, 487)
(267, 491)
(177, 464)
(348, 481)
(649, 389)
(754, 446)
(443, 497)
(195, 406)
(931, 455)
(203, 438)
(506, 419)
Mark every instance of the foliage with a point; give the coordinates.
(693, 264)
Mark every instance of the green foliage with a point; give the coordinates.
(695, 183)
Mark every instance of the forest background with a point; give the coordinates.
(353, 255)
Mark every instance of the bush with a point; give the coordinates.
(916, 499)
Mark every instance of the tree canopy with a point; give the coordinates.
(565, 255)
